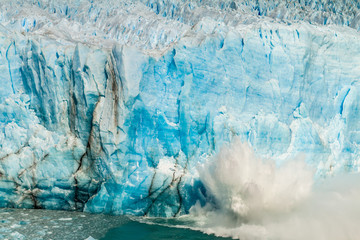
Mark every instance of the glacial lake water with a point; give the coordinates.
(61, 225)
(139, 231)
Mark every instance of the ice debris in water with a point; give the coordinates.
(45, 224)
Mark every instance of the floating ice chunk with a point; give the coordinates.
(17, 235)
(90, 238)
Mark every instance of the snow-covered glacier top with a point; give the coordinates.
(101, 23)
(113, 106)
(151, 24)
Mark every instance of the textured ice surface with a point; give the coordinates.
(109, 106)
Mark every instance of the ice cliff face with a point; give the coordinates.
(109, 106)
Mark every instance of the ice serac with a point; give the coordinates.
(112, 109)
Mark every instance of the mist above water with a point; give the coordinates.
(255, 199)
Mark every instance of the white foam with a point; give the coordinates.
(249, 186)
(255, 199)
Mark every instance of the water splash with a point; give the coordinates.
(255, 199)
(249, 186)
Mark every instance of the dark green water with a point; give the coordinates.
(31, 224)
(140, 231)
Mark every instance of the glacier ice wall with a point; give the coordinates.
(109, 106)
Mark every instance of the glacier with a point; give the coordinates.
(110, 106)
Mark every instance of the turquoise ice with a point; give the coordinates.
(110, 106)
